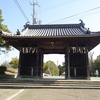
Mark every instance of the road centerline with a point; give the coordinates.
(15, 94)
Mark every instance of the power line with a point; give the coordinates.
(79, 17)
(76, 14)
(56, 5)
(21, 10)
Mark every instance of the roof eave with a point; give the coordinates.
(71, 36)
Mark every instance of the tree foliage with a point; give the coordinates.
(94, 65)
(52, 67)
(14, 62)
(91, 63)
(45, 67)
(1, 19)
(2, 69)
(4, 28)
(61, 69)
(97, 65)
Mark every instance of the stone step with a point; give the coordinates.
(50, 81)
(70, 85)
(53, 84)
(46, 87)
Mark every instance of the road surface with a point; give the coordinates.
(49, 94)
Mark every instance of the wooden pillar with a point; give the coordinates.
(19, 65)
(67, 64)
(88, 75)
(41, 64)
(37, 64)
(74, 71)
(31, 71)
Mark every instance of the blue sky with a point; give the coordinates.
(50, 11)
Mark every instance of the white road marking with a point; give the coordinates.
(15, 94)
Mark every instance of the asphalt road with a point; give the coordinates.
(49, 94)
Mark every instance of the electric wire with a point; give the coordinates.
(18, 5)
(21, 10)
(62, 21)
(56, 5)
(75, 15)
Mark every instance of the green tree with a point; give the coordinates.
(52, 67)
(1, 19)
(45, 67)
(91, 63)
(61, 69)
(14, 62)
(2, 70)
(4, 28)
(97, 65)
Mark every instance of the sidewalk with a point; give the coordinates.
(95, 78)
(63, 78)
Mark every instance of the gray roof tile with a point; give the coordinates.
(60, 30)
(54, 30)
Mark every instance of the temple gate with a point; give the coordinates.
(73, 40)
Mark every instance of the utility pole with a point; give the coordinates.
(34, 15)
(57, 62)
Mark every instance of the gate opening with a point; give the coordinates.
(54, 66)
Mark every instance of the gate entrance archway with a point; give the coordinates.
(73, 40)
(54, 65)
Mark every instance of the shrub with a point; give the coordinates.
(95, 75)
(2, 69)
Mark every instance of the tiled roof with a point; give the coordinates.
(60, 30)
(54, 30)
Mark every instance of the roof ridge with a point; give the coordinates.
(53, 26)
